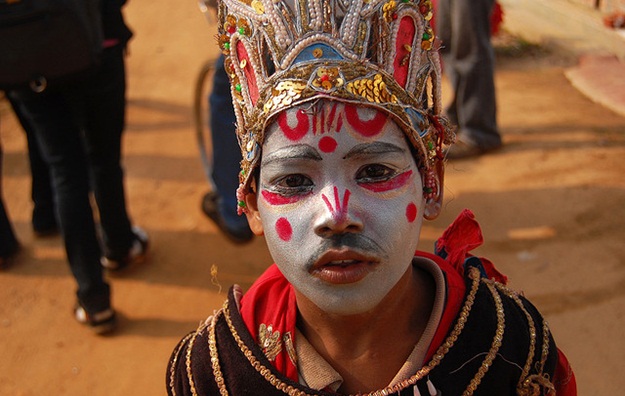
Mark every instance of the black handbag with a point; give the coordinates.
(45, 42)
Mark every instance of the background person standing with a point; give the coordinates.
(469, 62)
(78, 128)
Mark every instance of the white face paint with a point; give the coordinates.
(340, 199)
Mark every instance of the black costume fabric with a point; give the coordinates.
(499, 345)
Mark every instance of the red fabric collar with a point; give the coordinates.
(271, 300)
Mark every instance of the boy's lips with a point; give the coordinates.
(343, 266)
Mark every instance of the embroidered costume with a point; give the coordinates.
(490, 340)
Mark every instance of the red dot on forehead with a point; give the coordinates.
(327, 144)
(411, 212)
(284, 229)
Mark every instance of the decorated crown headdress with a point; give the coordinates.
(376, 53)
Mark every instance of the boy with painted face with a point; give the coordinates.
(341, 163)
(340, 203)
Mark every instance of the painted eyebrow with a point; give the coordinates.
(298, 151)
(373, 148)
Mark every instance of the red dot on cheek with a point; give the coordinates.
(327, 144)
(284, 229)
(411, 212)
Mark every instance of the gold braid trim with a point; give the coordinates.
(421, 373)
(212, 347)
(545, 353)
(536, 385)
(497, 340)
(532, 384)
(172, 368)
(188, 358)
(532, 329)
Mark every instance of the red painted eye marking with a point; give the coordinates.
(411, 212)
(340, 212)
(284, 229)
(299, 130)
(392, 184)
(277, 199)
(367, 128)
(327, 144)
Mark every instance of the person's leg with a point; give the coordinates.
(226, 158)
(102, 103)
(8, 241)
(469, 63)
(444, 32)
(61, 145)
(44, 212)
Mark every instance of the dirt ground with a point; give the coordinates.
(551, 203)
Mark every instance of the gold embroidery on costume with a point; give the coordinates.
(532, 347)
(212, 347)
(290, 347)
(269, 341)
(530, 385)
(545, 352)
(327, 78)
(284, 94)
(496, 344)
(188, 358)
(172, 368)
(372, 90)
(536, 385)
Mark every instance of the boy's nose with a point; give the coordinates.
(336, 216)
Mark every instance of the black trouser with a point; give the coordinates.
(79, 128)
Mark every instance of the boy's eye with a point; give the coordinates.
(294, 181)
(374, 173)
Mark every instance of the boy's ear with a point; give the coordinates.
(433, 205)
(253, 216)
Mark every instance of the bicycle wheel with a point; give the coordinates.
(201, 118)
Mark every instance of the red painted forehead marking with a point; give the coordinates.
(329, 119)
(367, 128)
(325, 120)
(299, 130)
